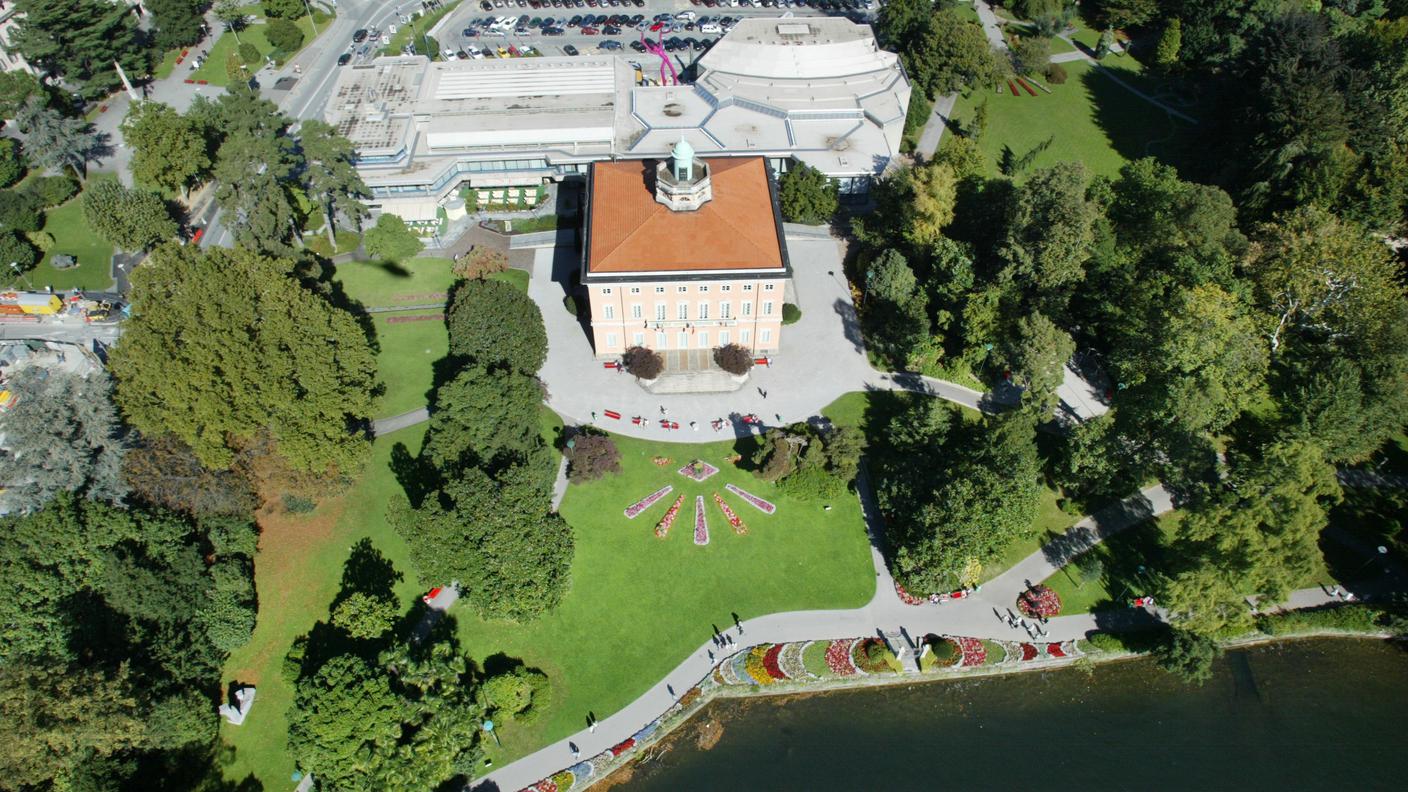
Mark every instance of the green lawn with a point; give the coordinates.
(420, 281)
(213, 69)
(1123, 554)
(1092, 119)
(408, 350)
(517, 277)
(72, 236)
(423, 22)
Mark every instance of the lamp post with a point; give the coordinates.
(310, 18)
(1383, 551)
(15, 265)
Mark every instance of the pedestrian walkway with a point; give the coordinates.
(974, 616)
(934, 127)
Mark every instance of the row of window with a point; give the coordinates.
(701, 339)
(702, 288)
(682, 310)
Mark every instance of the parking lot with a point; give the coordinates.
(685, 28)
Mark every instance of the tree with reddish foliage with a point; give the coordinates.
(734, 359)
(591, 456)
(643, 362)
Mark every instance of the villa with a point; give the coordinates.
(684, 255)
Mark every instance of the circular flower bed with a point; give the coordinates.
(974, 652)
(1039, 601)
(870, 656)
(942, 651)
(838, 657)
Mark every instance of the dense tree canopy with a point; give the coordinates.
(806, 195)
(168, 149)
(78, 40)
(496, 325)
(224, 344)
(130, 219)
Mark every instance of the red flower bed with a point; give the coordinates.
(906, 597)
(770, 662)
(1013, 88)
(974, 653)
(1028, 652)
(1025, 86)
(1039, 601)
(838, 658)
(733, 519)
(623, 746)
(546, 785)
(1054, 649)
(662, 528)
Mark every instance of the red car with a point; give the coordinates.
(655, 28)
(590, 31)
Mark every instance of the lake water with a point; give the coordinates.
(1323, 714)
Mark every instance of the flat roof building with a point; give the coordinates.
(818, 90)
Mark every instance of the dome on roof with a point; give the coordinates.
(683, 153)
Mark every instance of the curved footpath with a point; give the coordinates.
(975, 617)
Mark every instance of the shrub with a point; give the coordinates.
(480, 262)
(42, 240)
(1056, 74)
(1353, 617)
(17, 250)
(250, 54)
(872, 656)
(944, 652)
(1189, 656)
(297, 504)
(570, 303)
(790, 313)
(390, 239)
(12, 165)
(734, 359)
(284, 35)
(365, 616)
(643, 362)
(591, 456)
(1139, 642)
(52, 190)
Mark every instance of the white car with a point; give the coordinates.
(686, 16)
(710, 28)
(475, 53)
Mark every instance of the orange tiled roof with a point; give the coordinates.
(631, 232)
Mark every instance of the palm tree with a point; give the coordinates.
(55, 141)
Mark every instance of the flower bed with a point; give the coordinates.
(906, 597)
(1039, 601)
(546, 785)
(701, 525)
(861, 656)
(623, 746)
(974, 653)
(997, 652)
(838, 658)
(789, 661)
(753, 500)
(564, 781)
(1054, 650)
(943, 652)
(732, 519)
(770, 662)
(633, 511)
(756, 665)
(814, 656)
(1029, 652)
(698, 470)
(662, 528)
(582, 771)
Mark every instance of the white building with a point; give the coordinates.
(818, 90)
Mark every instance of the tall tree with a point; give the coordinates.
(78, 40)
(62, 435)
(1038, 357)
(1257, 534)
(484, 418)
(178, 22)
(329, 177)
(807, 195)
(255, 170)
(168, 150)
(494, 324)
(1050, 228)
(232, 15)
(953, 54)
(129, 219)
(55, 142)
(225, 344)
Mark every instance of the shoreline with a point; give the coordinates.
(672, 725)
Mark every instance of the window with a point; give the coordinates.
(605, 291)
(682, 311)
(745, 337)
(608, 312)
(659, 312)
(683, 339)
(703, 310)
(747, 287)
(659, 289)
(747, 309)
(639, 339)
(703, 288)
(723, 338)
(725, 310)
(635, 311)
(660, 341)
(635, 290)
(767, 308)
(610, 340)
(764, 336)
(767, 287)
(725, 287)
(703, 340)
(681, 289)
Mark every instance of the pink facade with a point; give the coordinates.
(700, 313)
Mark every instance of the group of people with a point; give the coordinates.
(1036, 628)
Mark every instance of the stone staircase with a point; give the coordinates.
(693, 371)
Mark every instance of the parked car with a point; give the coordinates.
(344, 58)
(359, 36)
(570, 50)
(610, 45)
